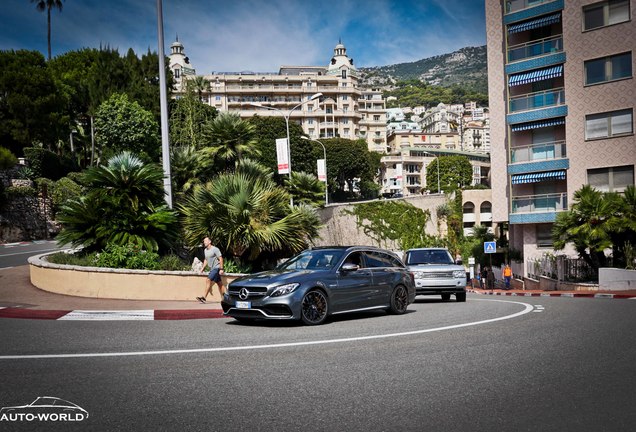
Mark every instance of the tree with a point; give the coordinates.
(198, 84)
(306, 188)
(589, 224)
(248, 215)
(230, 139)
(32, 110)
(123, 204)
(122, 125)
(47, 5)
(349, 162)
(189, 118)
(185, 168)
(455, 172)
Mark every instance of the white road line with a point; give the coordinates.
(4, 268)
(32, 252)
(94, 315)
(527, 308)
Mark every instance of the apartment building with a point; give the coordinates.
(562, 98)
(344, 110)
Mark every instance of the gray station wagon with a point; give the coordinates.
(321, 282)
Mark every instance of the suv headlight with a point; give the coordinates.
(284, 289)
(459, 274)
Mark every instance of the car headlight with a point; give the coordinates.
(459, 274)
(284, 289)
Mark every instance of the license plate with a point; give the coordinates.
(243, 305)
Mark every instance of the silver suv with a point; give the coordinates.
(436, 273)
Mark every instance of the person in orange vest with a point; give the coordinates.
(506, 273)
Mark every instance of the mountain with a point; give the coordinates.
(466, 67)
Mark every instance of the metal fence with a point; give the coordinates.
(562, 268)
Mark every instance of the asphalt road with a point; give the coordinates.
(17, 254)
(555, 364)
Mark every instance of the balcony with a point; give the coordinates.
(535, 48)
(518, 5)
(538, 152)
(540, 203)
(542, 99)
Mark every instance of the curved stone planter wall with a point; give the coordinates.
(106, 283)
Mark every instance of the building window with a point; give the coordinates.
(605, 13)
(608, 68)
(345, 97)
(344, 74)
(376, 118)
(310, 121)
(217, 97)
(310, 108)
(345, 121)
(469, 207)
(544, 235)
(177, 73)
(606, 125)
(612, 179)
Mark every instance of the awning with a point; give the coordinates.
(535, 23)
(535, 75)
(538, 177)
(538, 124)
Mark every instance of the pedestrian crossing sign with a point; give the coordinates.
(490, 247)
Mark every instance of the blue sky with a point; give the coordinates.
(255, 35)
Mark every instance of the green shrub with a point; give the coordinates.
(65, 189)
(7, 159)
(45, 163)
(21, 191)
(173, 263)
(76, 259)
(129, 257)
(231, 266)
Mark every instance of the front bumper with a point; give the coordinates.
(436, 286)
(276, 308)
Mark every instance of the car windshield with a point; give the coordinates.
(428, 257)
(321, 259)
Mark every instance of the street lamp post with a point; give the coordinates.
(286, 115)
(71, 138)
(324, 154)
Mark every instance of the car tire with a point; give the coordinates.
(399, 300)
(460, 297)
(314, 307)
(445, 297)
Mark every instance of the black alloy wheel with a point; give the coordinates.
(314, 307)
(399, 300)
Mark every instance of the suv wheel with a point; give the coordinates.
(461, 297)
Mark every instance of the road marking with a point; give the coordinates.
(527, 308)
(93, 315)
(32, 252)
(538, 308)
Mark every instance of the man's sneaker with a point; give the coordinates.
(201, 299)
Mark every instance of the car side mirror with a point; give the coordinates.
(349, 267)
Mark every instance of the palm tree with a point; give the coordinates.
(306, 188)
(123, 204)
(230, 139)
(42, 5)
(588, 225)
(185, 167)
(247, 214)
(199, 84)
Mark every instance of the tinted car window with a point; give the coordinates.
(428, 257)
(355, 258)
(379, 259)
(313, 260)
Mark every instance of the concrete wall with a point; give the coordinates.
(616, 279)
(105, 283)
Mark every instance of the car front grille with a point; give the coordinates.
(434, 275)
(254, 292)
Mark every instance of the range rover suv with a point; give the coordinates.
(436, 273)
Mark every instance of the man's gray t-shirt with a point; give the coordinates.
(212, 256)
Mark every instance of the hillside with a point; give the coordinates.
(466, 67)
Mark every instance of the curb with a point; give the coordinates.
(545, 294)
(112, 315)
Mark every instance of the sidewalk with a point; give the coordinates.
(20, 299)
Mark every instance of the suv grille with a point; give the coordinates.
(434, 275)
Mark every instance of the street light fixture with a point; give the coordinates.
(286, 115)
(324, 154)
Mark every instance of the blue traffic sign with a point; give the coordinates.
(490, 247)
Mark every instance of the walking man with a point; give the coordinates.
(214, 260)
(507, 275)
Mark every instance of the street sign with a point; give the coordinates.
(490, 247)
